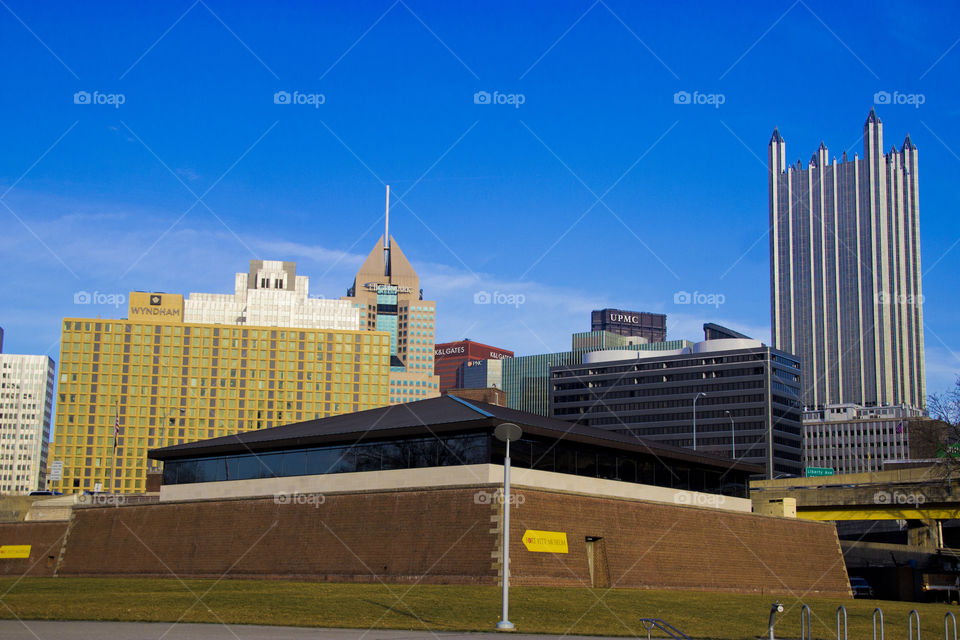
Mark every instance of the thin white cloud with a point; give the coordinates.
(943, 368)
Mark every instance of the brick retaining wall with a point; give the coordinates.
(45, 540)
(446, 536)
(661, 546)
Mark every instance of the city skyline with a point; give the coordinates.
(181, 183)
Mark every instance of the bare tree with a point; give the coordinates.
(944, 409)
(946, 406)
(938, 437)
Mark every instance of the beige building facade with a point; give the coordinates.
(387, 294)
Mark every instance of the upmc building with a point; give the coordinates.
(652, 326)
(449, 356)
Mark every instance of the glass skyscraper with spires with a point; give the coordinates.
(845, 285)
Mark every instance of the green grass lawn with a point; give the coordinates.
(438, 608)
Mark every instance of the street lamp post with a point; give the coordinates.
(733, 444)
(506, 432)
(695, 398)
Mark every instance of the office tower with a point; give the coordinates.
(846, 295)
(159, 381)
(387, 292)
(450, 358)
(271, 294)
(480, 374)
(526, 379)
(26, 407)
(730, 397)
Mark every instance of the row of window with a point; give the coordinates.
(557, 456)
(86, 327)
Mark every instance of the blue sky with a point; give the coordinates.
(598, 190)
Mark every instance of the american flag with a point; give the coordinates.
(900, 427)
(116, 430)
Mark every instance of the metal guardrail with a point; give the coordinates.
(842, 609)
(913, 620)
(656, 623)
(806, 631)
(914, 614)
(875, 612)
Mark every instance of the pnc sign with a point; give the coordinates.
(166, 308)
(545, 541)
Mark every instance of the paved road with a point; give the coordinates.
(47, 630)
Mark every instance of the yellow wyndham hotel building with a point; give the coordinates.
(171, 382)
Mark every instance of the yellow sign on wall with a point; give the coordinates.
(10, 551)
(545, 541)
(166, 308)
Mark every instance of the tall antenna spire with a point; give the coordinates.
(386, 237)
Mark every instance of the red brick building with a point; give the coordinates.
(449, 356)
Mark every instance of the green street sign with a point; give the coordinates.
(815, 472)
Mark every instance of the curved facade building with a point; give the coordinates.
(730, 397)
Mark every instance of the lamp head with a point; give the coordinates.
(507, 432)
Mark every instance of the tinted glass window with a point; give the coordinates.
(457, 450)
(587, 463)
(566, 459)
(368, 458)
(247, 467)
(520, 453)
(393, 456)
(322, 461)
(271, 465)
(562, 456)
(206, 470)
(187, 472)
(294, 463)
(220, 469)
(475, 449)
(606, 465)
(626, 469)
(543, 456)
(681, 478)
(423, 453)
(170, 470)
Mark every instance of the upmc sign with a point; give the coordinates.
(623, 317)
(652, 326)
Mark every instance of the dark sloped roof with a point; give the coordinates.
(712, 328)
(424, 418)
(400, 418)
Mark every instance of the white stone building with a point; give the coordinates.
(271, 295)
(849, 438)
(26, 408)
